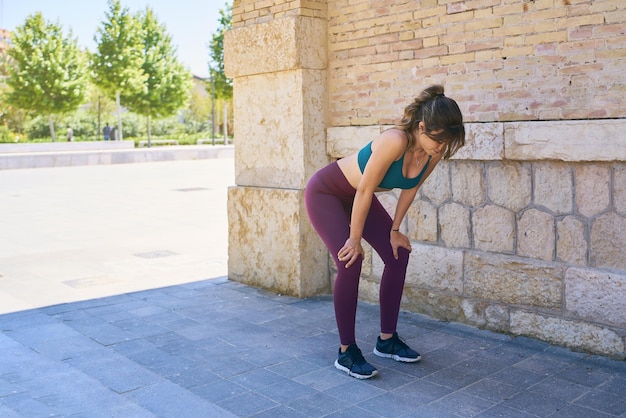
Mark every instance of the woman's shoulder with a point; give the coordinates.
(392, 139)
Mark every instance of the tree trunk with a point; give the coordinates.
(225, 122)
(51, 124)
(118, 133)
(149, 136)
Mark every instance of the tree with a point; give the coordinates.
(168, 82)
(47, 74)
(223, 85)
(117, 64)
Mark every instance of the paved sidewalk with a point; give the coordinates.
(112, 310)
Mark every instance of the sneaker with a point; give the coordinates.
(396, 349)
(353, 363)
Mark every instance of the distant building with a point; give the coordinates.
(5, 40)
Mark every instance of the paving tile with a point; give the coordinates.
(219, 390)
(280, 411)
(562, 389)
(586, 376)
(316, 405)
(462, 405)
(453, 378)
(502, 411)
(116, 372)
(168, 400)
(389, 405)
(257, 379)
(535, 403)
(291, 367)
(353, 412)
(7, 412)
(577, 411)
(354, 391)
(604, 402)
(247, 404)
(518, 377)
(422, 392)
(25, 406)
(323, 379)
(285, 392)
(491, 390)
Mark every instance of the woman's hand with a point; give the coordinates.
(350, 251)
(398, 239)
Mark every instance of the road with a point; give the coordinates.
(77, 233)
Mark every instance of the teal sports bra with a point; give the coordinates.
(393, 177)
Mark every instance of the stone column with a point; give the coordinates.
(280, 104)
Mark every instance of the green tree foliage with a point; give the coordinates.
(47, 71)
(223, 85)
(117, 64)
(168, 82)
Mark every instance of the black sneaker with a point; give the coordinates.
(353, 363)
(396, 349)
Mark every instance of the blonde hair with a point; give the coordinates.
(440, 114)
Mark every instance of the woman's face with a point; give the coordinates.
(429, 145)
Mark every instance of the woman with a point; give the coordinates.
(343, 209)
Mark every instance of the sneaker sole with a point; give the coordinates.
(397, 357)
(350, 373)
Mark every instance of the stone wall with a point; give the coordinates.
(522, 231)
(508, 238)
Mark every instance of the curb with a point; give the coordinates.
(14, 161)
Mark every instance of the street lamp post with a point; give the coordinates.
(212, 107)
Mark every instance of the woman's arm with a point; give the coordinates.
(405, 200)
(387, 148)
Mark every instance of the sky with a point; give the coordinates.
(191, 23)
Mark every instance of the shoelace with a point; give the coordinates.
(357, 356)
(397, 343)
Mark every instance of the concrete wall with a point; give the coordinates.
(522, 231)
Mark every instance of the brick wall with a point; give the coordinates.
(246, 12)
(502, 60)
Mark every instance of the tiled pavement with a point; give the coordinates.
(216, 348)
(159, 338)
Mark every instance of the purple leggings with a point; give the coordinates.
(328, 198)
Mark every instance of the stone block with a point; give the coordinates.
(571, 244)
(454, 224)
(467, 183)
(512, 280)
(594, 140)
(434, 268)
(509, 185)
(596, 296)
(434, 304)
(437, 187)
(272, 244)
(284, 44)
(554, 187)
(494, 229)
(574, 334)
(422, 221)
(536, 235)
(369, 290)
(608, 242)
(483, 141)
(276, 146)
(345, 140)
(593, 194)
(486, 315)
(619, 188)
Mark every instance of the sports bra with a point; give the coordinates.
(393, 177)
